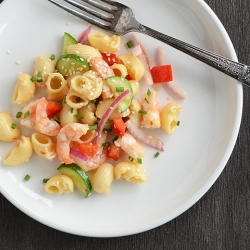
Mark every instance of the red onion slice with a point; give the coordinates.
(138, 134)
(107, 114)
(78, 154)
(83, 38)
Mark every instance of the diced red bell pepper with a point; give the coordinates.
(162, 73)
(118, 126)
(89, 149)
(109, 58)
(113, 152)
(53, 108)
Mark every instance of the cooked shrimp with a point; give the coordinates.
(151, 105)
(130, 146)
(100, 66)
(43, 124)
(28, 115)
(70, 132)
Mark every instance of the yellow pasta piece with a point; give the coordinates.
(24, 89)
(169, 116)
(9, 131)
(57, 87)
(88, 116)
(85, 51)
(59, 184)
(133, 64)
(102, 179)
(21, 153)
(130, 171)
(135, 86)
(75, 100)
(43, 146)
(105, 43)
(119, 69)
(67, 115)
(134, 115)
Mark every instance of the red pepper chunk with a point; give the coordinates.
(113, 152)
(53, 108)
(89, 149)
(118, 126)
(109, 58)
(162, 73)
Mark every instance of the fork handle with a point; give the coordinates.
(234, 69)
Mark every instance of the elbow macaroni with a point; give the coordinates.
(59, 184)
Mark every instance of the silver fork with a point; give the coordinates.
(119, 19)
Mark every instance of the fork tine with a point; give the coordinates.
(91, 11)
(81, 15)
(101, 6)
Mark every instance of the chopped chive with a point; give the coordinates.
(115, 138)
(146, 100)
(78, 99)
(57, 119)
(79, 117)
(106, 144)
(141, 111)
(26, 114)
(119, 89)
(18, 114)
(13, 125)
(71, 110)
(27, 177)
(157, 154)
(45, 180)
(131, 158)
(39, 74)
(39, 80)
(178, 123)
(148, 93)
(52, 57)
(139, 160)
(64, 101)
(59, 103)
(95, 101)
(130, 44)
(91, 128)
(32, 78)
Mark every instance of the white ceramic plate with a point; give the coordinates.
(194, 156)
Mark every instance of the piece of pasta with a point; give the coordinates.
(67, 115)
(21, 153)
(59, 184)
(85, 51)
(130, 171)
(9, 131)
(105, 43)
(75, 100)
(57, 87)
(135, 86)
(169, 116)
(88, 85)
(134, 66)
(88, 115)
(119, 69)
(24, 89)
(103, 106)
(102, 179)
(134, 115)
(43, 146)
(43, 67)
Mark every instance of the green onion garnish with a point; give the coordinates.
(131, 158)
(148, 93)
(78, 99)
(130, 44)
(139, 160)
(157, 154)
(91, 128)
(26, 114)
(32, 78)
(79, 117)
(57, 119)
(13, 125)
(27, 177)
(115, 138)
(119, 89)
(95, 101)
(18, 114)
(52, 57)
(71, 110)
(106, 144)
(39, 74)
(64, 101)
(178, 123)
(45, 180)
(146, 100)
(141, 111)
